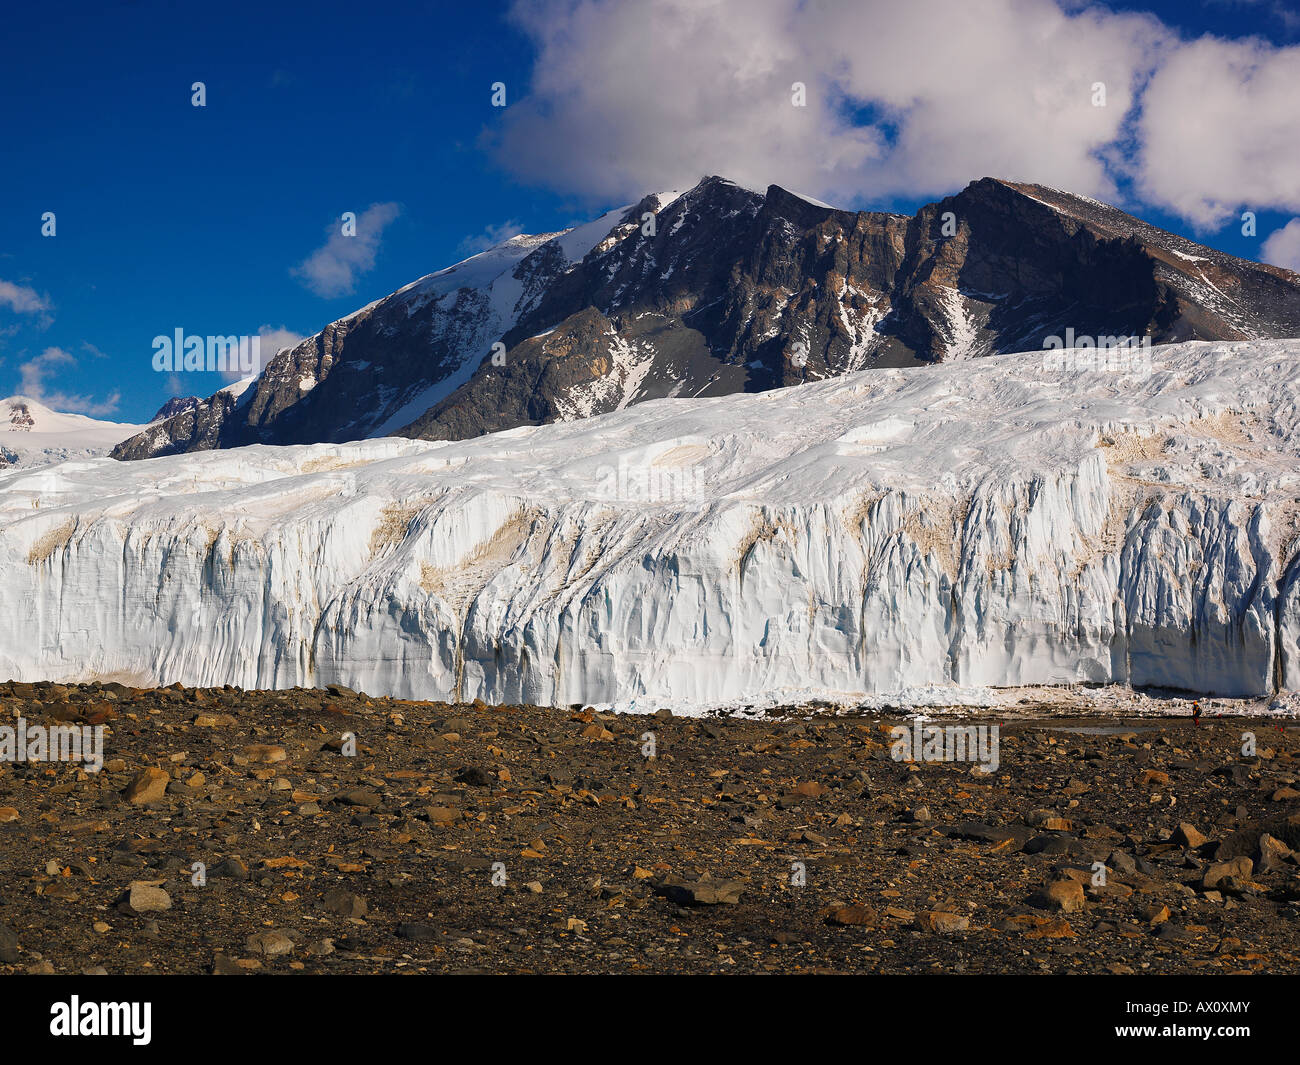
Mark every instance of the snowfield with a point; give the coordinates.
(33, 435)
(972, 524)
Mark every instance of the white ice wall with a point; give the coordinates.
(981, 524)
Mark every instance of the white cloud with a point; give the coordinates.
(274, 340)
(912, 99)
(21, 299)
(1219, 130)
(35, 371)
(1283, 246)
(490, 237)
(626, 98)
(53, 361)
(333, 269)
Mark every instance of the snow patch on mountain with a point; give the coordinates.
(860, 326)
(483, 299)
(624, 370)
(962, 326)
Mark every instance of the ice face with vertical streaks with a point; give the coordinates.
(967, 524)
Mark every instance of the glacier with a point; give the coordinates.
(989, 522)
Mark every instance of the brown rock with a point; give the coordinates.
(265, 753)
(1155, 913)
(597, 732)
(855, 915)
(1051, 928)
(1064, 895)
(941, 921)
(702, 892)
(345, 903)
(144, 896)
(1238, 868)
(1271, 855)
(149, 785)
(270, 944)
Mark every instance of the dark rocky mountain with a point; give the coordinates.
(174, 406)
(729, 290)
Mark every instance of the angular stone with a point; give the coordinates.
(345, 903)
(854, 915)
(265, 753)
(1064, 895)
(941, 921)
(702, 892)
(1271, 854)
(1239, 868)
(270, 944)
(145, 897)
(597, 732)
(148, 785)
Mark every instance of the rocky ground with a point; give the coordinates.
(472, 838)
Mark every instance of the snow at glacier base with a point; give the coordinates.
(992, 522)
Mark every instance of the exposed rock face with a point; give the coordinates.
(734, 291)
(174, 406)
(18, 416)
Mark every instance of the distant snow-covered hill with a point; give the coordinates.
(31, 434)
(994, 522)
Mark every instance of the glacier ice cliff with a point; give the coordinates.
(993, 522)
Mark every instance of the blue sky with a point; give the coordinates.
(173, 216)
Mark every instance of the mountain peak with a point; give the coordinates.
(734, 289)
(175, 405)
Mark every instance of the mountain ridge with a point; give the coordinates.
(721, 289)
